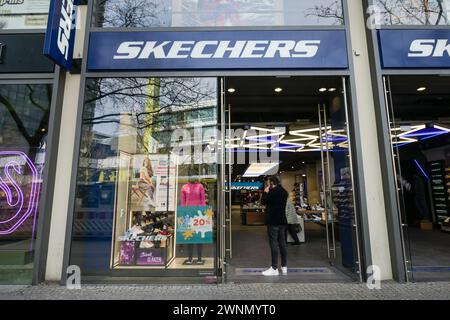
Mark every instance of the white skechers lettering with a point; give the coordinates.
(423, 48)
(217, 49)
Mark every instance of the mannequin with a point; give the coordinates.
(193, 195)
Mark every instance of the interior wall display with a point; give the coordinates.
(251, 186)
(23, 14)
(342, 197)
(194, 225)
(440, 189)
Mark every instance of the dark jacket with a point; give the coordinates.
(275, 202)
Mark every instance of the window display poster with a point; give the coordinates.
(155, 182)
(194, 225)
(166, 182)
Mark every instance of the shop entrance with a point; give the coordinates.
(420, 133)
(295, 128)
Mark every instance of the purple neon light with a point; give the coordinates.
(426, 133)
(8, 191)
(421, 169)
(288, 146)
(34, 192)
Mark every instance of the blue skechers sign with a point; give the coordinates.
(217, 50)
(414, 49)
(60, 35)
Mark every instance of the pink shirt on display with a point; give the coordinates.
(193, 195)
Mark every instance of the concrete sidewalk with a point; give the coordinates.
(322, 291)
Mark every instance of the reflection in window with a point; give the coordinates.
(143, 200)
(20, 14)
(24, 114)
(216, 13)
(413, 12)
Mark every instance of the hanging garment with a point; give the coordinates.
(193, 195)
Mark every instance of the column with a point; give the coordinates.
(366, 141)
(65, 159)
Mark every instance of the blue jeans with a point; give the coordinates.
(277, 242)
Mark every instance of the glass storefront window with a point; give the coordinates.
(216, 13)
(24, 114)
(420, 133)
(142, 200)
(413, 12)
(24, 14)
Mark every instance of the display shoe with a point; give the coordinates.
(284, 270)
(270, 272)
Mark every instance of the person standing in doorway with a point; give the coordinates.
(274, 198)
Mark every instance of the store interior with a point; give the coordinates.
(275, 124)
(420, 125)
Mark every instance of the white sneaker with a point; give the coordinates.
(270, 272)
(284, 270)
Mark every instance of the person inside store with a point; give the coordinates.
(275, 198)
(293, 227)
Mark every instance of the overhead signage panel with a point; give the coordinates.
(414, 49)
(217, 50)
(60, 36)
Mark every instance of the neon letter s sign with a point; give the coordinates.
(21, 202)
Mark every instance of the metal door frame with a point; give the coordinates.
(326, 181)
(225, 248)
(389, 104)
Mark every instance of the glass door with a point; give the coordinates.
(400, 182)
(337, 191)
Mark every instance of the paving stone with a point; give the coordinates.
(326, 291)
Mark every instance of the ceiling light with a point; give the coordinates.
(278, 90)
(421, 89)
(262, 129)
(323, 89)
(259, 169)
(332, 89)
(232, 90)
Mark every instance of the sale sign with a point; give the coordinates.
(194, 225)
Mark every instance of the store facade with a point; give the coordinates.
(144, 81)
(131, 127)
(410, 79)
(28, 82)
